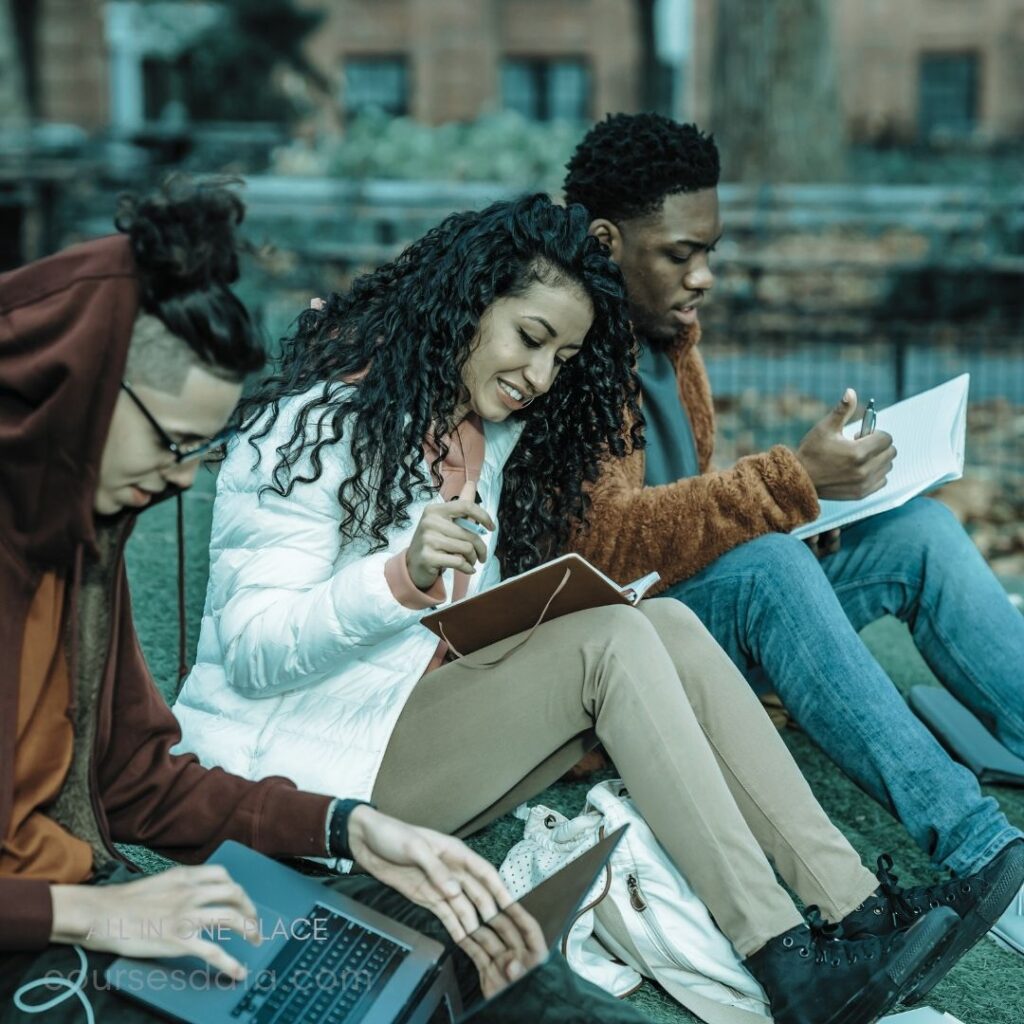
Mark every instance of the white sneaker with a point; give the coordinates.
(1008, 931)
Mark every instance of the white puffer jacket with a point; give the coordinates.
(305, 658)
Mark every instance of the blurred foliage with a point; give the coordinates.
(957, 164)
(509, 149)
(505, 148)
(232, 67)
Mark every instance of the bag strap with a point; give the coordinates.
(515, 647)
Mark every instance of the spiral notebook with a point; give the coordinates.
(559, 587)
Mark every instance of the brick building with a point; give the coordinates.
(938, 67)
(911, 71)
(941, 66)
(441, 60)
(65, 60)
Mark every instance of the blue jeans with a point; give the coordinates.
(778, 610)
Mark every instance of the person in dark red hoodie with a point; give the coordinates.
(121, 361)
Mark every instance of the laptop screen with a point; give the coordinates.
(528, 930)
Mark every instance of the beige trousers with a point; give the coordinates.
(701, 758)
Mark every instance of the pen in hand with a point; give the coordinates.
(468, 524)
(867, 425)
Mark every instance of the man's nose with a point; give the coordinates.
(181, 474)
(699, 277)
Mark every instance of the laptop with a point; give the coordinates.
(326, 959)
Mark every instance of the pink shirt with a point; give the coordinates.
(463, 462)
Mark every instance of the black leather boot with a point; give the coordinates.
(978, 900)
(813, 977)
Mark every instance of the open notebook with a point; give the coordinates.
(559, 587)
(929, 431)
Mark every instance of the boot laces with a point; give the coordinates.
(894, 892)
(924, 898)
(829, 947)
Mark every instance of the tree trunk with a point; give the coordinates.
(775, 106)
(655, 85)
(14, 112)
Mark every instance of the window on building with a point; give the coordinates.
(546, 90)
(948, 94)
(380, 83)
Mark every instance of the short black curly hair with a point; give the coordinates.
(627, 163)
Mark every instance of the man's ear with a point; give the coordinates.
(608, 235)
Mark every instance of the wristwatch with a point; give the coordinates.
(337, 826)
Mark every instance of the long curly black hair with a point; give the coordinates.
(403, 334)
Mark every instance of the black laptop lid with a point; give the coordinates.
(531, 928)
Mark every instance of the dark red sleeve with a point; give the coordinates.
(171, 802)
(26, 915)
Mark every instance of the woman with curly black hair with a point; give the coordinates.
(472, 386)
(411, 356)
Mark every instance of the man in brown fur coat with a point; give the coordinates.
(721, 539)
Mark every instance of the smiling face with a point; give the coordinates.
(664, 258)
(522, 343)
(136, 465)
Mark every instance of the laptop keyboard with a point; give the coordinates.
(333, 978)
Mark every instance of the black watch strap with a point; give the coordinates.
(337, 830)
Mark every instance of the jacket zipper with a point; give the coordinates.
(98, 812)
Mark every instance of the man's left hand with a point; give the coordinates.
(436, 871)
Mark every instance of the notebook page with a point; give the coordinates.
(923, 452)
(928, 431)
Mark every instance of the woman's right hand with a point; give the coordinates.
(164, 915)
(439, 543)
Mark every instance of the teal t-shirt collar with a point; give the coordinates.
(671, 452)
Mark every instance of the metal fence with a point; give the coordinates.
(886, 290)
(889, 290)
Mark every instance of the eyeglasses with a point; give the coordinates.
(193, 450)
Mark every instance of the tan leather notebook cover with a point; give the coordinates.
(516, 604)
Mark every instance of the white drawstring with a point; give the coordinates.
(73, 986)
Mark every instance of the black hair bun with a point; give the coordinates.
(183, 235)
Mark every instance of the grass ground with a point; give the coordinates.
(986, 987)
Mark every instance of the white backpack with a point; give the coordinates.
(640, 919)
